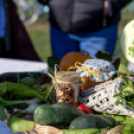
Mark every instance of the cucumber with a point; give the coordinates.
(92, 121)
(60, 113)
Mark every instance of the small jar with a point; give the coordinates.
(94, 72)
(66, 87)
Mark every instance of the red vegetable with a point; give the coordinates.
(85, 109)
(42, 79)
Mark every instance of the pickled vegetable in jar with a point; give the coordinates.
(66, 87)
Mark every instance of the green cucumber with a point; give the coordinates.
(57, 114)
(92, 121)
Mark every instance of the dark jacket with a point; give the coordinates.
(81, 16)
(18, 43)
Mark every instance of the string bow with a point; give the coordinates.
(78, 65)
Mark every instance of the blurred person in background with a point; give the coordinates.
(91, 25)
(14, 40)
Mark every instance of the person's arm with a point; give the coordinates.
(116, 5)
(44, 2)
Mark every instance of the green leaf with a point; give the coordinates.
(2, 113)
(123, 69)
(127, 90)
(52, 61)
(19, 125)
(123, 100)
(128, 126)
(127, 82)
(117, 102)
(123, 87)
(8, 103)
(125, 132)
(104, 55)
(131, 104)
(117, 63)
(3, 89)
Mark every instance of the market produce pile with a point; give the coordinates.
(53, 98)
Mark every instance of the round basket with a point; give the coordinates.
(43, 130)
(52, 130)
(101, 98)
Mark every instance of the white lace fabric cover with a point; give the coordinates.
(101, 98)
(97, 65)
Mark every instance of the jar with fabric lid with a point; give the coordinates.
(94, 72)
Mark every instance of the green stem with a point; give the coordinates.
(118, 73)
(7, 103)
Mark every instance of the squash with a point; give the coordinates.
(70, 58)
(92, 121)
(60, 113)
(87, 83)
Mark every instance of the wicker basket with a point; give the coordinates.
(101, 98)
(52, 130)
(43, 130)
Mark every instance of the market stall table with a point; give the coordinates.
(17, 66)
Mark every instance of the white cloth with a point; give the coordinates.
(14, 66)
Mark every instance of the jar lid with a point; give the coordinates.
(67, 76)
(98, 70)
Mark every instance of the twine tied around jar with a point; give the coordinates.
(55, 81)
(78, 65)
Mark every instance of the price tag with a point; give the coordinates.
(127, 41)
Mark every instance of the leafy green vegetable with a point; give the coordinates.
(126, 92)
(127, 82)
(126, 121)
(8, 103)
(2, 113)
(19, 125)
(20, 90)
